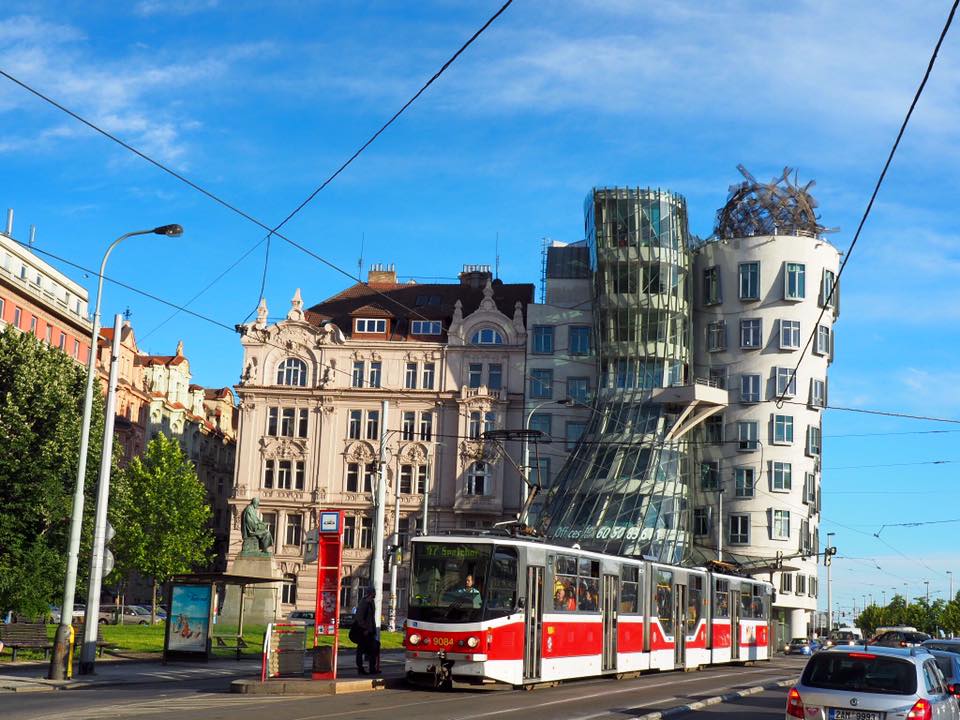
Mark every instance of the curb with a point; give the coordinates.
(716, 700)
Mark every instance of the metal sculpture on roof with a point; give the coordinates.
(779, 207)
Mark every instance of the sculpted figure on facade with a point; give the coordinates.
(257, 538)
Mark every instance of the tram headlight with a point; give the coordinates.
(414, 639)
(472, 642)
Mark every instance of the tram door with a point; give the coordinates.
(610, 595)
(734, 622)
(533, 623)
(679, 624)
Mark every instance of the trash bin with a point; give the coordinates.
(323, 658)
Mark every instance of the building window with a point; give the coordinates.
(489, 421)
(349, 531)
(781, 476)
(422, 475)
(810, 488)
(410, 376)
(739, 529)
(818, 393)
(76, 348)
(284, 474)
(701, 521)
(33, 324)
(813, 586)
(406, 479)
(303, 421)
(292, 371)
(786, 582)
(789, 334)
(287, 422)
(17, 314)
(716, 336)
(294, 529)
(782, 429)
(543, 339)
(487, 336)
(823, 340)
(751, 333)
(376, 370)
(269, 471)
(541, 384)
(781, 531)
(495, 376)
(477, 479)
(747, 432)
(403, 532)
(63, 341)
(426, 426)
(353, 426)
(353, 477)
(749, 388)
(429, 371)
(366, 533)
(579, 340)
(744, 482)
(408, 425)
(357, 378)
(542, 422)
(794, 281)
(786, 382)
(289, 589)
(813, 440)
(711, 286)
(710, 475)
(578, 389)
(373, 424)
(369, 325)
(574, 431)
(750, 281)
(425, 327)
(474, 375)
(49, 331)
(369, 477)
(473, 429)
(713, 429)
(827, 288)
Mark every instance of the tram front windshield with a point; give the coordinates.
(449, 581)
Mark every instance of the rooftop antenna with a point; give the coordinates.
(363, 237)
(496, 263)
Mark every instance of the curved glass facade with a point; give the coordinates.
(625, 487)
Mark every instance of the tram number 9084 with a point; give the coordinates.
(442, 641)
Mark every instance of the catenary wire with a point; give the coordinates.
(876, 190)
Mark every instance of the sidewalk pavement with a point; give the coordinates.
(143, 668)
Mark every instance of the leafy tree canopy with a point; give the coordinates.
(41, 405)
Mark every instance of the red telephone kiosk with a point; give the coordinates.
(327, 620)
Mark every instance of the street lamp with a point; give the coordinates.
(927, 584)
(60, 642)
(526, 443)
(950, 575)
(828, 560)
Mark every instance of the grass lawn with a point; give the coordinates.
(149, 639)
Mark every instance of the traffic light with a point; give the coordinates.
(828, 554)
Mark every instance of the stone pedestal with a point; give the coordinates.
(261, 602)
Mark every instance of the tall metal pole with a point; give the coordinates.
(927, 583)
(720, 522)
(58, 656)
(525, 489)
(828, 560)
(376, 571)
(950, 574)
(395, 542)
(88, 654)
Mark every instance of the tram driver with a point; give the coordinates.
(470, 592)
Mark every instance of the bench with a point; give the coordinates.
(25, 635)
(237, 643)
(78, 639)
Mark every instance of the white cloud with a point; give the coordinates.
(174, 7)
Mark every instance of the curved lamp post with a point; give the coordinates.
(58, 656)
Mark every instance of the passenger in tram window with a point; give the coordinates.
(559, 596)
(723, 605)
(571, 598)
(588, 596)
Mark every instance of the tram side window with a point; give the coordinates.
(588, 593)
(565, 583)
(758, 606)
(721, 599)
(746, 601)
(663, 600)
(502, 585)
(629, 589)
(694, 602)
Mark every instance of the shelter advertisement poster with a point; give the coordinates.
(189, 618)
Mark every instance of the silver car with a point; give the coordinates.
(856, 682)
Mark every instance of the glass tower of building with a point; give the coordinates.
(625, 487)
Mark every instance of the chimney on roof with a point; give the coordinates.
(382, 273)
(9, 231)
(475, 276)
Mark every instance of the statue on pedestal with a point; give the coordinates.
(257, 538)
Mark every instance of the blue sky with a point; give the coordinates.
(259, 106)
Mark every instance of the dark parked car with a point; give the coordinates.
(900, 638)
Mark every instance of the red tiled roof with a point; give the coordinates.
(149, 360)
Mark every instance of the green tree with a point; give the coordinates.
(41, 404)
(160, 512)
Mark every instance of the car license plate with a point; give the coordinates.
(843, 714)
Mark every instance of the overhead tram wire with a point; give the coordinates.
(270, 231)
(866, 213)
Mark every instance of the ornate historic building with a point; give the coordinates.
(420, 370)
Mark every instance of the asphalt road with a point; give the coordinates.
(582, 700)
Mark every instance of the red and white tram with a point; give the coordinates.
(490, 608)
